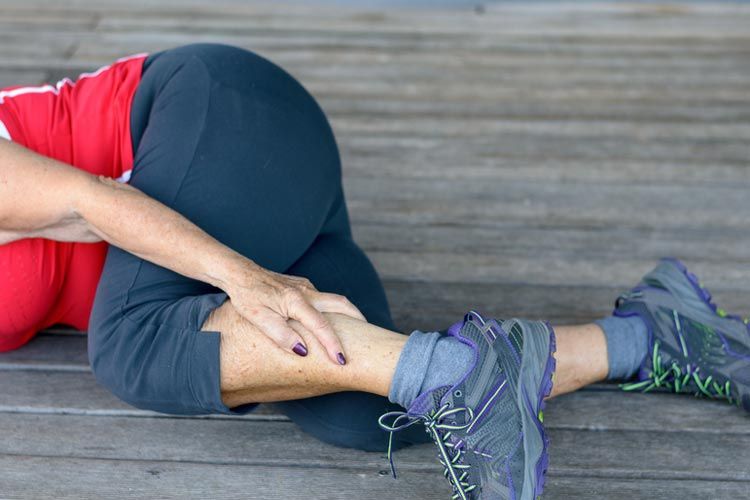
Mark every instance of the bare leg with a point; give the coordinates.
(255, 370)
(581, 357)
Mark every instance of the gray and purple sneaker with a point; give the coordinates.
(695, 347)
(488, 427)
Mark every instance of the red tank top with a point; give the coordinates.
(86, 124)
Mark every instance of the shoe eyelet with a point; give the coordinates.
(457, 393)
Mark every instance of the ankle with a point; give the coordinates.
(429, 360)
(627, 345)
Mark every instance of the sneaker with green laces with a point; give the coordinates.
(488, 426)
(695, 347)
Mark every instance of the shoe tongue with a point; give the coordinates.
(428, 401)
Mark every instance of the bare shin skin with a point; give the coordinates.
(581, 358)
(255, 370)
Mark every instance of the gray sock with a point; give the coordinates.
(429, 360)
(627, 345)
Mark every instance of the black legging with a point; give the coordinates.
(238, 146)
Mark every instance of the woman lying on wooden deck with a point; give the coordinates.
(186, 208)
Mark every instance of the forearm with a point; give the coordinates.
(131, 220)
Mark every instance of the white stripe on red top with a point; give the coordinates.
(4, 132)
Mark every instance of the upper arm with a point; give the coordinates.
(35, 192)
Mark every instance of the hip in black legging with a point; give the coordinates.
(239, 147)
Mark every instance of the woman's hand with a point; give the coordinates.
(268, 300)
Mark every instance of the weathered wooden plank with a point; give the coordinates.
(83, 478)
(458, 202)
(520, 22)
(28, 386)
(73, 479)
(28, 46)
(522, 148)
(56, 391)
(687, 455)
(440, 12)
(591, 109)
(470, 164)
(553, 144)
(66, 478)
(538, 91)
(14, 78)
(12, 19)
(476, 127)
(703, 244)
(49, 351)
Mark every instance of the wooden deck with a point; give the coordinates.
(527, 160)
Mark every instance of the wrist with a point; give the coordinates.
(228, 269)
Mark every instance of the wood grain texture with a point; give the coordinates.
(73, 479)
(527, 159)
(279, 443)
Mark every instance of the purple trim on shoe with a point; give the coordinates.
(728, 350)
(455, 328)
(704, 294)
(545, 389)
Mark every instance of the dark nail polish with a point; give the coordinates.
(299, 349)
(341, 358)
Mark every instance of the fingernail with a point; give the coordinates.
(341, 358)
(299, 349)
